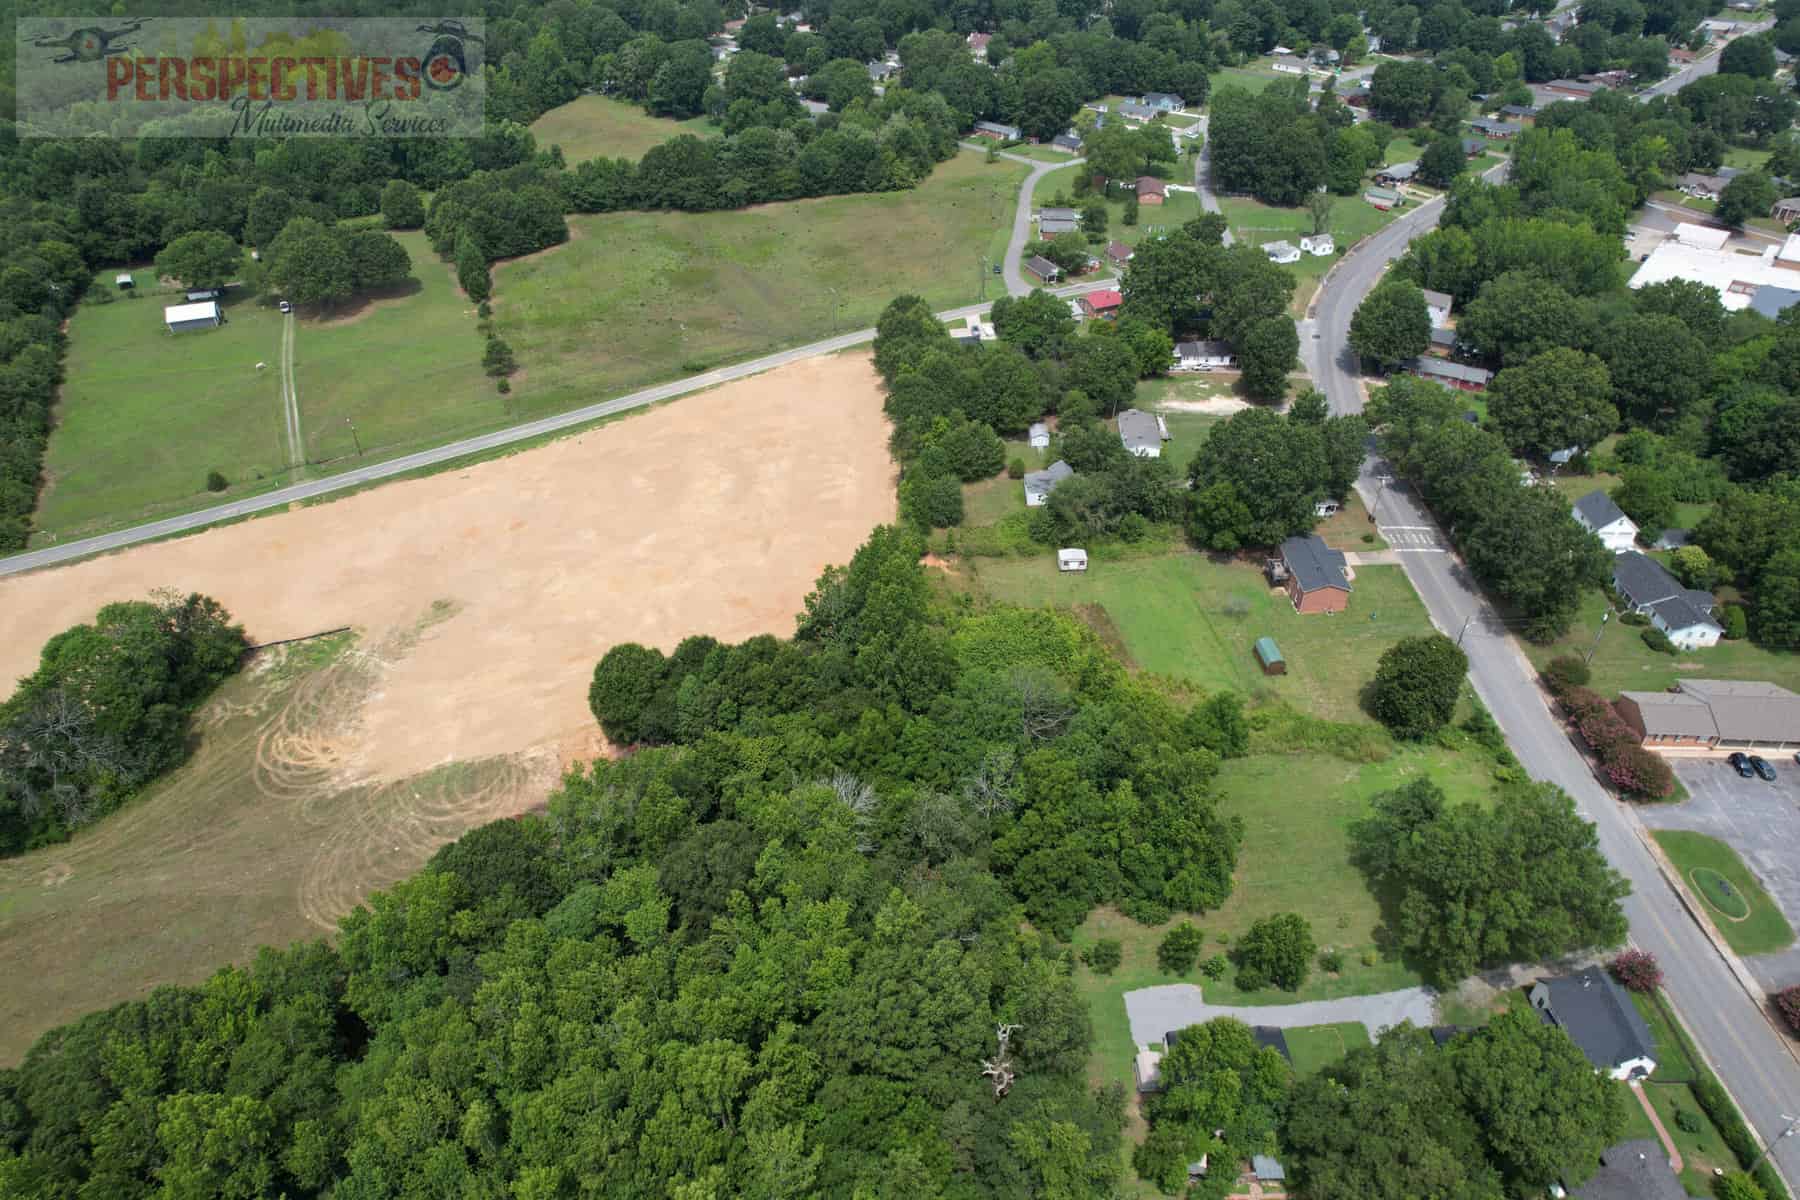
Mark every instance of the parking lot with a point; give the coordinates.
(1761, 821)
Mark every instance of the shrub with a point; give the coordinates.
(1251, 978)
(1214, 967)
(1736, 624)
(497, 359)
(1417, 684)
(1787, 1003)
(1637, 970)
(1738, 1186)
(484, 310)
(1180, 948)
(1634, 618)
(1565, 672)
(1724, 1115)
(1104, 956)
(1279, 948)
(1658, 641)
(1332, 962)
(1368, 539)
(504, 387)
(1640, 772)
(1688, 1121)
(215, 482)
(1015, 469)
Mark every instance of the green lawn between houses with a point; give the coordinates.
(1701, 860)
(1193, 618)
(1314, 1047)
(601, 127)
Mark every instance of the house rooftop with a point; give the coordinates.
(1597, 1015)
(1314, 564)
(1634, 1170)
(1599, 511)
(1443, 368)
(1441, 300)
(1140, 430)
(1748, 710)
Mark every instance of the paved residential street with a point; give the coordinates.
(1016, 283)
(1753, 1060)
(1759, 821)
(1154, 1011)
(1203, 180)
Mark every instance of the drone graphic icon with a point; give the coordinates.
(89, 45)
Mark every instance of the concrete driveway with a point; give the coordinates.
(1761, 821)
(1154, 1011)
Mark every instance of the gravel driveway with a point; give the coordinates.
(1156, 1010)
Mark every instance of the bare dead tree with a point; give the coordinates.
(863, 803)
(994, 784)
(1046, 705)
(52, 751)
(1000, 1068)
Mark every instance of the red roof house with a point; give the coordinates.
(1151, 190)
(1103, 303)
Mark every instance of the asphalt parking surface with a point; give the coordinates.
(1761, 821)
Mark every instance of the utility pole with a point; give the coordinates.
(1465, 628)
(1793, 1123)
(353, 437)
(1589, 656)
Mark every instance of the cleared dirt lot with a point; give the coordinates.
(482, 599)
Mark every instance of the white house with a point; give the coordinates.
(1596, 513)
(1282, 252)
(1437, 307)
(1039, 436)
(181, 318)
(1039, 484)
(1683, 614)
(1071, 560)
(1203, 356)
(1319, 244)
(1143, 433)
(1288, 66)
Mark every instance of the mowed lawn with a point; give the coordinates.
(1622, 662)
(637, 298)
(1298, 810)
(145, 414)
(1741, 910)
(1187, 616)
(1313, 1047)
(601, 127)
(405, 370)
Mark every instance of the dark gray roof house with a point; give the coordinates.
(1058, 214)
(1499, 129)
(1519, 110)
(1443, 338)
(1472, 146)
(1634, 1170)
(1141, 432)
(1599, 510)
(1599, 1017)
(1272, 1038)
(1050, 227)
(1646, 584)
(1039, 484)
(1066, 141)
(1043, 268)
(1314, 564)
(1453, 374)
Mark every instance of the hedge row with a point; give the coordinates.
(1632, 769)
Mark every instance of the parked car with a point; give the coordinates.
(1761, 766)
(1741, 762)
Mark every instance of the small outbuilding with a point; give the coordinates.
(184, 318)
(1268, 655)
(124, 281)
(1039, 435)
(1148, 1070)
(1043, 268)
(1070, 559)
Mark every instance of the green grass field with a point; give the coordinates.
(1249, 79)
(1187, 616)
(636, 298)
(145, 414)
(1177, 209)
(1701, 860)
(1313, 1047)
(598, 126)
(1297, 811)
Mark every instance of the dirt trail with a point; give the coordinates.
(711, 515)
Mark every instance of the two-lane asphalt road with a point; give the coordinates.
(1751, 1058)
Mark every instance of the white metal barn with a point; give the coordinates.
(184, 318)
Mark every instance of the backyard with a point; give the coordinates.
(1194, 618)
(636, 298)
(598, 126)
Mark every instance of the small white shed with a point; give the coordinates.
(124, 280)
(1071, 560)
(180, 318)
(1040, 436)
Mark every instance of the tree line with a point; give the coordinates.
(106, 712)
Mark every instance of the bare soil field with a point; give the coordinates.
(481, 599)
